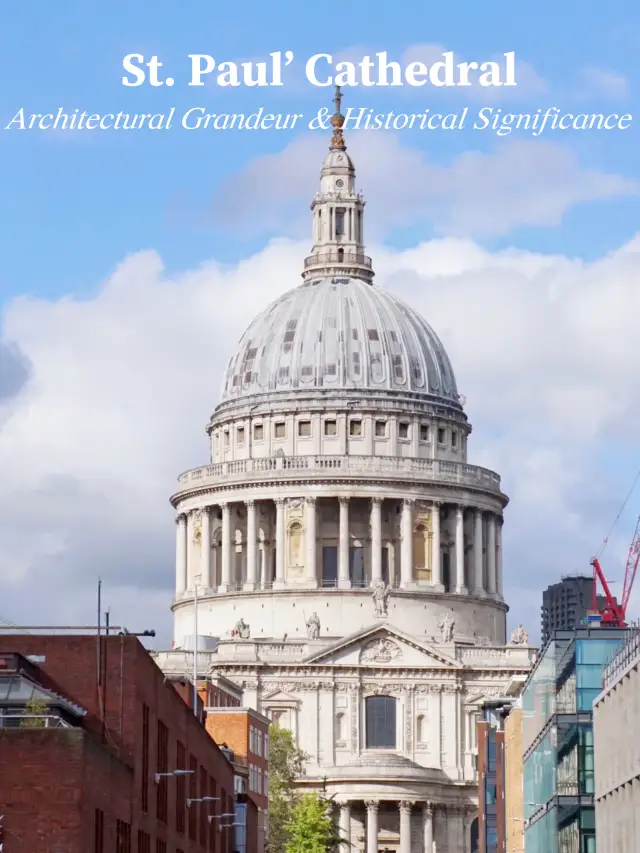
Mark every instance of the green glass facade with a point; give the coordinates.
(557, 705)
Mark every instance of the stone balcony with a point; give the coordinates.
(375, 468)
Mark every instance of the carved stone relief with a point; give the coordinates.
(381, 650)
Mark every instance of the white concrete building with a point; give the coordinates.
(344, 551)
(616, 718)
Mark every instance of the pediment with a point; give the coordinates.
(384, 646)
(277, 697)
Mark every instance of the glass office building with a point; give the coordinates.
(557, 720)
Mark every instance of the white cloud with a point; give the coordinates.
(122, 384)
(520, 183)
(602, 81)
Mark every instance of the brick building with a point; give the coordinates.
(78, 774)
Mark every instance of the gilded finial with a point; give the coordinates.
(337, 120)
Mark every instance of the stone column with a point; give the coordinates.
(372, 826)
(310, 510)
(478, 581)
(181, 554)
(226, 548)
(345, 827)
(376, 541)
(427, 827)
(280, 543)
(406, 551)
(405, 826)
(491, 555)
(205, 547)
(436, 554)
(344, 582)
(252, 547)
(499, 588)
(460, 585)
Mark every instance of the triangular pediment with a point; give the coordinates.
(384, 646)
(277, 696)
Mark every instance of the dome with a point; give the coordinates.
(340, 334)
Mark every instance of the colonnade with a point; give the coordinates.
(478, 572)
(455, 826)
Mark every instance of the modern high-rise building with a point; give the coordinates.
(565, 604)
(557, 706)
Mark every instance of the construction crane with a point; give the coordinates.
(614, 613)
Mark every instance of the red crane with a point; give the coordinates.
(614, 613)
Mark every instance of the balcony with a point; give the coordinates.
(374, 468)
(337, 256)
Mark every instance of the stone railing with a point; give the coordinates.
(335, 257)
(320, 467)
(509, 656)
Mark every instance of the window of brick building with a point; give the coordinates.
(162, 766)
(98, 832)
(144, 842)
(123, 837)
(181, 789)
(161, 846)
(203, 810)
(144, 775)
(193, 795)
(214, 809)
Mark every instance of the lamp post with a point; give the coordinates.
(220, 816)
(158, 776)
(202, 800)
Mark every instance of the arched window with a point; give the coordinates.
(340, 254)
(380, 722)
(474, 836)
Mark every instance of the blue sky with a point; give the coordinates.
(97, 198)
(542, 219)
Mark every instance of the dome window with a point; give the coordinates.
(340, 215)
(279, 430)
(355, 427)
(403, 430)
(381, 429)
(441, 435)
(304, 429)
(424, 432)
(240, 435)
(258, 432)
(330, 427)
(373, 334)
(226, 438)
(454, 439)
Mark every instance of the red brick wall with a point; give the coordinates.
(132, 680)
(232, 729)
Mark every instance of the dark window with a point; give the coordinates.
(213, 809)
(181, 784)
(162, 766)
(424, 432)
(403, 430)
(454, 439)
(144, 775)
(441, 436)
(123, 837)
(356, 566)
(329, 565)
(385, 564)
(193, 795)
(340, 212)
(202, 807)
(491, 754)
(98, 831)
(381, 429)
(330, 428)
(355, 427)
(161, 846)
(304, 428)
(144, 842)
(380, 722)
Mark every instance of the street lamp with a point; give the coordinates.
(218, 816)
(158, 776)
(201, 800)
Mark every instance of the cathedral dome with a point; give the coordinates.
(343, 334)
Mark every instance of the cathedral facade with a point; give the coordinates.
(342, 550)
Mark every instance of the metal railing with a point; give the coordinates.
(374, 467)
(33, 721)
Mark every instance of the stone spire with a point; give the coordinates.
(338, 213)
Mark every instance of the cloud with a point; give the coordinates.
(122, 384)
(602, 81)
(520, 183)
(14, 371)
